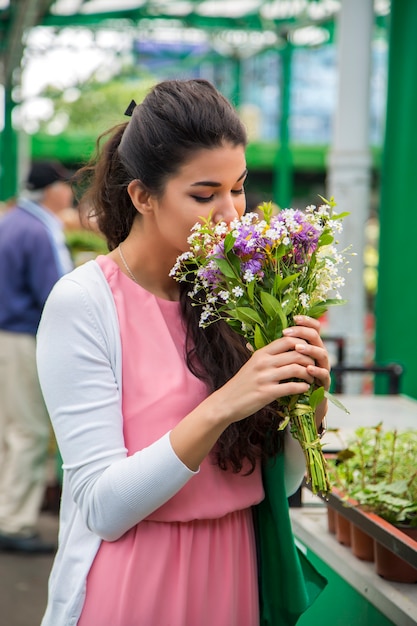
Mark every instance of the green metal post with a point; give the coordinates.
(283, 171)
(396, 302)
(8, 150)
(236, 77)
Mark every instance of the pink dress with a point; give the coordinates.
(192, 562)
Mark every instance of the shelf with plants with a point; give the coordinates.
(375, 488)
(379, 529)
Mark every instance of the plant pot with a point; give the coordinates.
(342, 529)
(331, 520)
(362, 544)
(390, 566)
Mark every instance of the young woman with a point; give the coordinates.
(163, 426)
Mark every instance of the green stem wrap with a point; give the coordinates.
(303, 428)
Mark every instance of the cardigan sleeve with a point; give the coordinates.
(113, 491)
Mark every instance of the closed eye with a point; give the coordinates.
(203, 199)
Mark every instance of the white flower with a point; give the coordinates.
(205, 314)
(224, 295)
(260, 227)
(273, 233)
(248, 218)
(248, 276)
(324, 210)
(237, 291)
(221, 228)
(339, 281)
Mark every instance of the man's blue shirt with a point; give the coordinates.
(28, 270)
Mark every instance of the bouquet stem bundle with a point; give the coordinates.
(302, 422)
(257, 275)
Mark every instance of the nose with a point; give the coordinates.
(227, 210)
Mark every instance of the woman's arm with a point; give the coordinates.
(271, 373)
(112, 491)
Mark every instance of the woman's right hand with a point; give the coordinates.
(285, 367)
(272, 372)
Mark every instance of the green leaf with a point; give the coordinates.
(325, 239)
(335, 401)
(317, 310)
(247, 315)
(277, 283)
(273, 328)
(236, 325)
(258, 337)
(250, 289)
(286, 281)
(229, 242)
(234, 262)
(339, 216)
(273, 308)
(280, 252)
(334, 302)
(290, 306)
(270, 304)
(267, 209)
(316, 397)
(225, 268)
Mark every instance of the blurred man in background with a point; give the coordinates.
(33, 256)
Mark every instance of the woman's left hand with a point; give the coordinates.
(308, 330)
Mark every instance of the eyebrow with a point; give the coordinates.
(210, 183)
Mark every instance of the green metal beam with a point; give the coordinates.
(283, 171)
(261, 155)
(251, 21)
(8, 150)
(21, 16)
(396, 301)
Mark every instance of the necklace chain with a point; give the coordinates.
(129, 271)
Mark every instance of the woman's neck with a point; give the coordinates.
(139, 259)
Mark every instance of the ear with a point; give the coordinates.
(140, 196)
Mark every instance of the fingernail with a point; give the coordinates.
(288, 331)
(300, 347)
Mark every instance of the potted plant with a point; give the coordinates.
(377, 472)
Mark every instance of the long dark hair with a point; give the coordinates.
(176, 119)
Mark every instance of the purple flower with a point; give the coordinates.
(254, 265)
(303, 235)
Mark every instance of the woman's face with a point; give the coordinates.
(211, 183)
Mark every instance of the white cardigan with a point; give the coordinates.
(105, 492)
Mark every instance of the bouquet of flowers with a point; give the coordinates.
(256, 274)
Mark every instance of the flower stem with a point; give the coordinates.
(303, 428)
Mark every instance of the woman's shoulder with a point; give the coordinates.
(86, 277)
(86, 285)
(88, 271)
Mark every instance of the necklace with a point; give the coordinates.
(128, 270)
